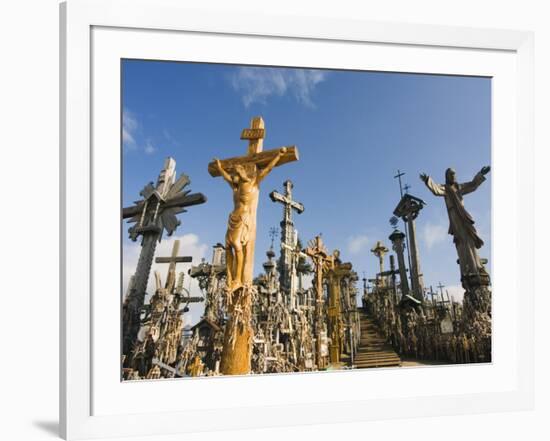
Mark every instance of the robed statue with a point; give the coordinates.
(461, 224)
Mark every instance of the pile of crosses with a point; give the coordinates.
(269, 324)
(419, 322)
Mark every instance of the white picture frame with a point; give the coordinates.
(84, 411)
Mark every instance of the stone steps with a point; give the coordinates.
(373, 350)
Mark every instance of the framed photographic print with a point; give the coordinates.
(302, 219)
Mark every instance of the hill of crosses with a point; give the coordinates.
(271, 322)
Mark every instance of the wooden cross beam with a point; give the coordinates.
(194, 299)
(388, 273)
(261, 160)
(174, 258)
(317, 248)
(295, 250)
(255, 154)
(169, 368)
(177, 201)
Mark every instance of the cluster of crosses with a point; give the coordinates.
(273, 323)
(418, 321)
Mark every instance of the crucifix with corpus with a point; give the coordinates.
(244, 175)
(322, 261)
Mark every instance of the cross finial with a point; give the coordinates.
(288, 188)
(255, 135)
(273, 232)
(398, 176)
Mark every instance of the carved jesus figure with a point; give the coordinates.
(244, 180)
(461, 223)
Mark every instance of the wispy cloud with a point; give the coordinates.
(357, 244)
(129, 127)
(133, 134)
(433, 234)
(168, 137)
(149, 147)
(257, 84)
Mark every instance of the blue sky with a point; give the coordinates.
(353, 131)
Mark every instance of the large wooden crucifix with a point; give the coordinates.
(287, 232)
(244, 175)
(322, 261)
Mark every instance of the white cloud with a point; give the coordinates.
(129, 127)
(257, 84)
(456, 292)
(190, 245)
(132, 134)
(433, 234)
(307, 280)
(168, 137)
(358, 243)
(149, 148)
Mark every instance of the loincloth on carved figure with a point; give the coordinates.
(239, 223)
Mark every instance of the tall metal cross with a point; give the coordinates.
(398, 176)
(153, 214)
(287, 230)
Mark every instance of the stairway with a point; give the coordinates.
(373, 350)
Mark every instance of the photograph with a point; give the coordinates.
(280, 219)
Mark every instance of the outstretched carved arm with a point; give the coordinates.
(265, 171)
(224, 173)
(436, 189)
(479, 178)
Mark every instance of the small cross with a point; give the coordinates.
(286, 199)
(172, 260)
(398, 176)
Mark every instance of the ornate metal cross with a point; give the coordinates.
(152, 215)
(287, 231)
